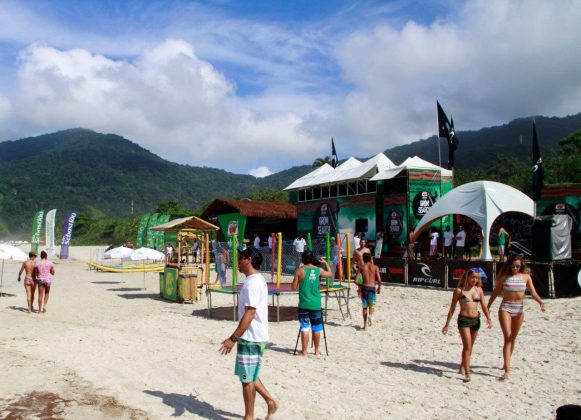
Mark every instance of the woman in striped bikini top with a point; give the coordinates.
(516, 283)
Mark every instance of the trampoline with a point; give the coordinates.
(340, 292)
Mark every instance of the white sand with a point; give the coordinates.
(107, 348)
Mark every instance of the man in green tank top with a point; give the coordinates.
(307, 282)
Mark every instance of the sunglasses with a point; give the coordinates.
(515, 266)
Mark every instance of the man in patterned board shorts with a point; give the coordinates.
(251, 335)
(370, 274)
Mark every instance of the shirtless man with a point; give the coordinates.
(370, 274)
(29, 284)
(358, 258)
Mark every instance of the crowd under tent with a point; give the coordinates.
(481, 201)
(375, 198)
(244, 218)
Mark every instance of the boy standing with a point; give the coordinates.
(370, 274)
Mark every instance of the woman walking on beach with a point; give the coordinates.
(469, 294)
(44, 272)
(511, 284)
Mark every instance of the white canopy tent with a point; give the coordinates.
(350, 170)
(410, 163)
(483, 202)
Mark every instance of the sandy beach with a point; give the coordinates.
(110, 348)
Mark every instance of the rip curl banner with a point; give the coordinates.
(49, 231)
(67, 235)
(141, 230)
(36, 230)
(457, 269)
(391, 270)
(427, 273)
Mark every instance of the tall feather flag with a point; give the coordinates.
(537, 166)
(334, 159)
(446, 130)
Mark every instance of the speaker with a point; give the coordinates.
(361, 225)
(542, 239)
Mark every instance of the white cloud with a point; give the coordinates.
(493, 61)
(260, 172)
(167, 100)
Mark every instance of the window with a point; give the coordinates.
(316, 193)
(325, 191)
(308, 194)
(352, 188)
(362, 187)
(342, 189)
(302, 194)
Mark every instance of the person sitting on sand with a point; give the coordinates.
(511, 283)
(369, 272)
(469, 293)
(307, 282)
(44, 270)
(29, 285)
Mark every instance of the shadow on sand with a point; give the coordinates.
(152, 296)
(226, 313)
(18, 308)
(126, 289)
(190, 404)
(106, 282)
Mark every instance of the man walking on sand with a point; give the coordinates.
(370, 274)
(251, 335)
(29, 285)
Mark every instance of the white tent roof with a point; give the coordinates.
(351, 169)
(410, 163)
(483, 202)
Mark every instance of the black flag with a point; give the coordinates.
(334, 159)
(537, 166)
(446, 130)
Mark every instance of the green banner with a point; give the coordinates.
(151, 238)
(141, 230)
(160, 245)
(332, 215)
(36, 230)
(396, 221)
(425, 188)
(233, 224)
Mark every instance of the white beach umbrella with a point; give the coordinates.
(8, 252)
(119, 252)
(144, 253)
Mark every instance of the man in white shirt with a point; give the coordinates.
(448, 238)
(251, 335)
(460, 242)
(271, 241)
(256, 241)
(434, 236)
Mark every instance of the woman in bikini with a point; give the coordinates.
(44, 270)
(469, 294)
(511, 284)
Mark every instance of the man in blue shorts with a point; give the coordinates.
(251, 335)
(370, 274)
(307, 282)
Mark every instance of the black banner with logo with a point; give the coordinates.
(427, 273)
(567, 279)
(458, 268)
(540, 275)
(392, 270)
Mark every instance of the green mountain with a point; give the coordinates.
(479, 149)
(105, 175)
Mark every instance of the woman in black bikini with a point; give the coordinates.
(469, 293)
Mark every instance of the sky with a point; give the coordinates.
(256, 87)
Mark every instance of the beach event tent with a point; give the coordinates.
(483, 202)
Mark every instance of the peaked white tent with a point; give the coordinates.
(350, 170)
(483, 202)
(410, 163)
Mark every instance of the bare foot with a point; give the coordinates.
(504, 377)
(461, 371)
(303, 353)
(467, 378)
(317, 353)
(272, 407)
(369, 321)
(365, 327)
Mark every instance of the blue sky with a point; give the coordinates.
(260, 86)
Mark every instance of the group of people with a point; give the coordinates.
(511, 284)
(37, 274)
(251, 334)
